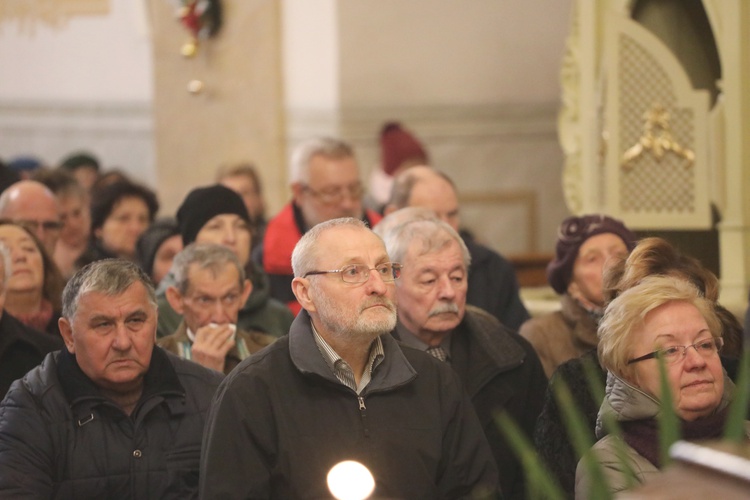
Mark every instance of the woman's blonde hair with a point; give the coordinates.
(626, 314)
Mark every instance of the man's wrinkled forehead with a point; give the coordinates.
(92, 296)
(348, 244)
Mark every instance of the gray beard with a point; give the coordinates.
(340, 325)
(362, 327)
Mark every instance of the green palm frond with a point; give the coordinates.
(582, 442)
(734, 431)
(540, 483)
(669, 423)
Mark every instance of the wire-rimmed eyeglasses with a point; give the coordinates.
(672, 354)
(359, 273)
(332, 195)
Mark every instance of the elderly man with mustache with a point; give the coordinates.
(499, 369)
(338, 387)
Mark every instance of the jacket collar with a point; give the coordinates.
(82, 394)
(582, 324)
(481, 349)
(393, 372)
(485, 346)
(502, 351)
(627, 402)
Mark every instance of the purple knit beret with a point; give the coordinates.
(571, 234)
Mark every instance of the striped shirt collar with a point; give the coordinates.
(341, 368)
(408, 338)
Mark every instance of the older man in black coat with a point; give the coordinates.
(499, 370)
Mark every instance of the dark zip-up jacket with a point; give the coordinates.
(501, 372)
(59, 438)
(21, 349)
(281, 420)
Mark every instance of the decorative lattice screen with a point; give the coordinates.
(656, 162)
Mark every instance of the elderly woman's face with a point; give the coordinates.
(588, 269)
(125, 224)
(695, 380)
(28, 265)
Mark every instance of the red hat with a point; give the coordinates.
(398, 146)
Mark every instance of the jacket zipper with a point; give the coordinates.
(363, 415)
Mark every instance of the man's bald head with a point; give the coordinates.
(32, 204)
(423, 186)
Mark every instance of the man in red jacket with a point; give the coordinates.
(324, 177)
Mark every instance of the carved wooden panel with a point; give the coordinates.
(657, 161)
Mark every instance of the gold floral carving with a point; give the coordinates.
(53, 13)
(656, 139)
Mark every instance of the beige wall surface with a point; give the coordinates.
(77, 76)
(476, 81)
(237, 117)
(428, 52)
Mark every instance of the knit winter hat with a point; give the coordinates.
(398, 146)
(571, 234)
(150, 241)
(202, 205)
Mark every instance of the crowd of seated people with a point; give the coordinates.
(109, 312)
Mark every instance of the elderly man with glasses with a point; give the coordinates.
(338, 388)
(325, 183)
(33, 205)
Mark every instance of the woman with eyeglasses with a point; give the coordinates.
(650, 257)
(661, 319)
(34, 288)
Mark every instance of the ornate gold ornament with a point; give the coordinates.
(202, 19)
(656, 139)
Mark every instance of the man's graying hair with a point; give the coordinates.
(110, 277)
(205, 256)
(304, 255)
(299, 165)
(432, 233)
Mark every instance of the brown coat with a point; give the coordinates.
(561, 335)
(254, 341)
